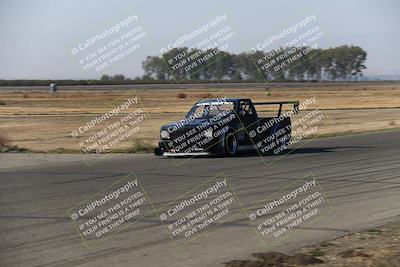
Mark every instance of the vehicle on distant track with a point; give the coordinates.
(225, 126)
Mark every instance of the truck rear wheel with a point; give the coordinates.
(231, 144)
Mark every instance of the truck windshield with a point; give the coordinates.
(204, 110)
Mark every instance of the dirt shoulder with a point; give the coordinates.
(378, 247)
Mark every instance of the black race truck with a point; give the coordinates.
(224, 127)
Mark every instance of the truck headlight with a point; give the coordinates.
(208, 133)
(164, 134)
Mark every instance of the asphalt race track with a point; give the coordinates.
(360, 175)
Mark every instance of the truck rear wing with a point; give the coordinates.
(281, 103)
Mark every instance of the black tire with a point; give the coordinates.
(231, 144)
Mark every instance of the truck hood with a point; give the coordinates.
(181, 125)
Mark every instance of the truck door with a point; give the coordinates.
(247, 116)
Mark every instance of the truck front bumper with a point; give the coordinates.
(182, 154)
(162, 151)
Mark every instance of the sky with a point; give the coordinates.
(37, 36)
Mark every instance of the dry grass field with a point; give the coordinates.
(41, 121)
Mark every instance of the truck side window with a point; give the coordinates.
(245, 109)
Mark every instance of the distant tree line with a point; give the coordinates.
(343, 63)
(116, 77)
